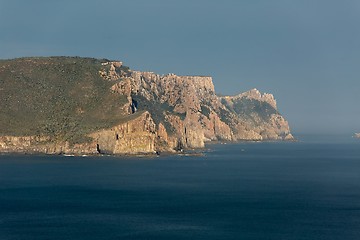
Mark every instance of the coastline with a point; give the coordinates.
(184, 152)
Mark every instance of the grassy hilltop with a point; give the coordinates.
(62, 97)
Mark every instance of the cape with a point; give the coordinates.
(73, 105)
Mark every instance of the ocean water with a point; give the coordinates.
(303, 190)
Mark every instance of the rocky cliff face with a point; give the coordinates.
(189, 105)
(168, 113)
(260, 113)
(43, 144)
(137, 135)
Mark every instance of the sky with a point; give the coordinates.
(305, 52)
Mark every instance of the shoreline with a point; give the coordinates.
(185, 152)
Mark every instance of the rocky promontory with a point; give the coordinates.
(92, 106)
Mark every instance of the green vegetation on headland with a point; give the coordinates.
(61, 97)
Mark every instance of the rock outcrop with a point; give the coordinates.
(137, 135)
(110, 70)
(255, 94)
(166, 113)
(260, 114)
(43, 144)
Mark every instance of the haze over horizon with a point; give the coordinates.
(304, 52)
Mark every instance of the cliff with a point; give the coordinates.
(260, 113)
(91, 106)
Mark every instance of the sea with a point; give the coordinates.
(304, 190)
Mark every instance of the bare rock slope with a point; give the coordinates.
(133, 112)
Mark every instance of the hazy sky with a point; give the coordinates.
(305, 52)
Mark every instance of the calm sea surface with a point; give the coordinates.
(303, 190)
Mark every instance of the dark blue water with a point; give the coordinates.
(304, 190)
